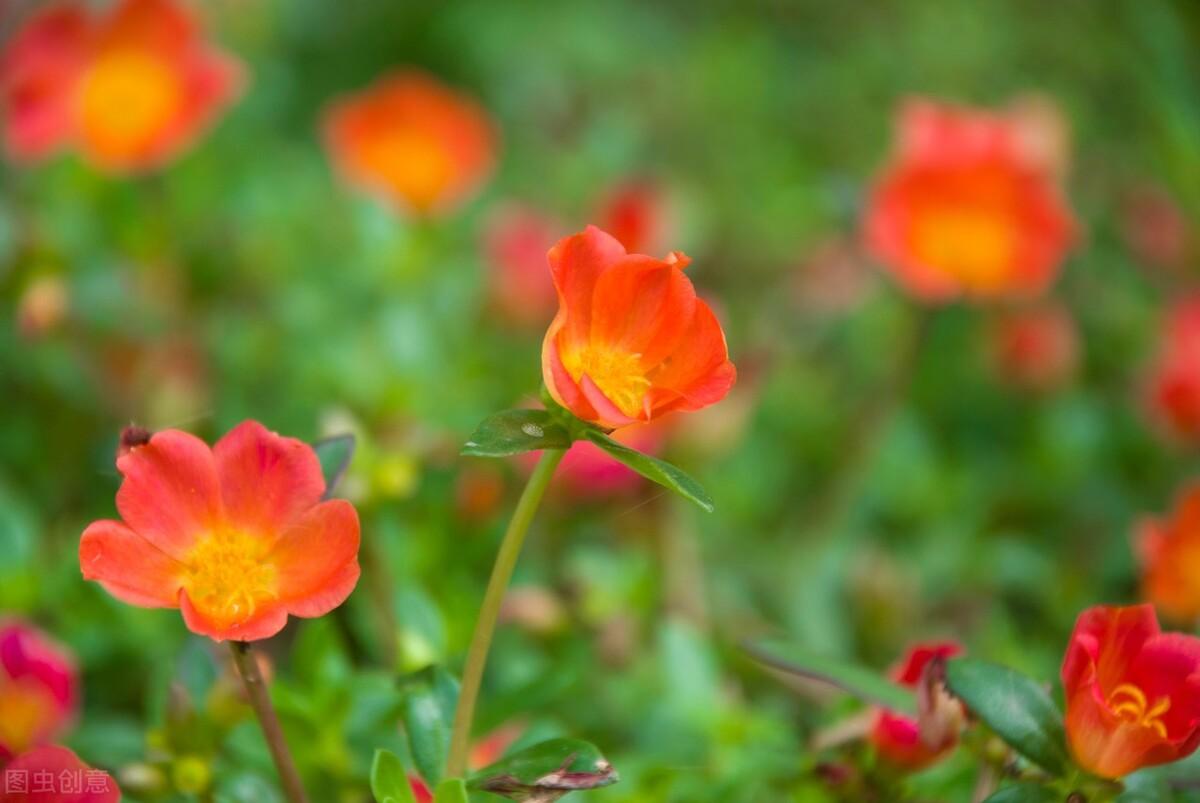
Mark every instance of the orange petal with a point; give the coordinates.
(698, 372)
(607, 414)
(128, 566)
(317, 559)
(563, 389)
(576, 263)
(266, 622)
(170, 494)
(642, 306)
(267, 480)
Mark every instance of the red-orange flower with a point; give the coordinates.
(631, 342)
(235, 536)
(1169, 549)
(417, 142)
(54, 774)
(1132, 691)
(1174, 382)
(900, 739)
(39, 689)
(1036, 348)
(966, 208)
(129, 89)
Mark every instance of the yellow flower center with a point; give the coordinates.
(125, 100)
(975, 246)
(27, 709)
(1130, 704)
(413, 164)
(618, 374)
(228, 577)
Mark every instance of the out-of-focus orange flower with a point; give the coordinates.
(1173, 392)
(515, 241)
(420, 144)
(131, 89)
(635, 212)
(1169, 549)
(54, 774)
(967, 207)
(914, 744)
(39, 689)
(631, 342)
(1036, 348)
(1132, 691)
(236, 536)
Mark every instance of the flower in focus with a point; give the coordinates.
(54, 774)
(235, 536)
(1173, 392)
(1169, 549)
(967, 207)
(635, 213)
(631, 342)
(130, 88)
(515, 241)
(39, 689)
(1132, 691)
(417, 142)
(914, 744)
(1036, 348)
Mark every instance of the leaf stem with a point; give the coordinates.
(247, 666)
(485, 628)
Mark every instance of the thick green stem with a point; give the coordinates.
(485, 628)
(260, 701)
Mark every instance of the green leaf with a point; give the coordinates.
(335, 454)
(389, 781)
(1147, 786)
(516, 431)
(654, 469)
(1025, 793)
(1015, 706)
(546, 771)
(427, 711)
(451, 790)
(866, 684)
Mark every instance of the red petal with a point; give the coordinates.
(607, 414)
(267, 480)
(642, 306)
(266, 622)
(1107, 745)
(170, 494)
(129, 567)
(563, 389)
(54, 761)
(317, 559)
(576, 264)
(1105, 641)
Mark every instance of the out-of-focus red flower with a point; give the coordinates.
(1169, 549)
(420, 144)
(1036, 348)
(235, 536)
(420, 790)
(1155, 229)
(966, 208)
(516, 239)
(914, 744)
(39, 689)
(1173, 392)
(478, 492)
(130, 89)
(631, 342)
(54, 774)
(491, 748)
(1132, 691)
(635, 212)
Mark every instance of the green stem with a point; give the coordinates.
(485, 628)
(260, 701)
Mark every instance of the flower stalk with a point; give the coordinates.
(256, 689)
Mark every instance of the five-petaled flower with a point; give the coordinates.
(966, 208)
(235, 536)
(631, 341)
(1132, 691)
(915, 743)
(130, 89)
(420, 144)
(1173, 393)
(39, 689)
(1169, 549)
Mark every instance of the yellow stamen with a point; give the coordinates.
(1130, 704)
(618, 374)
(415, 165)
(126, 99)
(975, 246)
(227, 576)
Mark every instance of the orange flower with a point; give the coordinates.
(900, 739)
(54, 774)
(631, 342)
(967, 207)
(1132, 692)
(1174, 382)
(1036, 348)
(39, 689)
(130, 89)
(422, 145)
(236, 536)
(1170, 555)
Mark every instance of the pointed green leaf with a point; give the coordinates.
(866, 684)
(427, 711)
(335, 454)
(1024, 793)
(389, 781)
(451, 790)
(654, 469)
(1015, 706)
(1148, 786)
(516, 431)
(546, 771)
